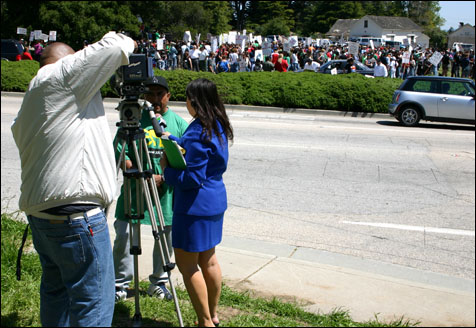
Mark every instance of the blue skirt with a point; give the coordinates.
(196, 233)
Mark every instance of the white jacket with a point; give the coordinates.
(61, 130)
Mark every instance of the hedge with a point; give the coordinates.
(348, 92)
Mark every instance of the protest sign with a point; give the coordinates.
(37, 34)
(353, 48)
(287, 46)
(436, 58)
(187, 37)
(52, 36)
(32, 36)
(372, 44)
(259, 55)
(21, 30)
(406, 57)
(160, 44)
(293, 41)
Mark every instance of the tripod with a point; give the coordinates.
(129, 132)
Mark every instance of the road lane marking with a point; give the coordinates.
(414, 228)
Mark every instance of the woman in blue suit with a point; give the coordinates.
(200, 198)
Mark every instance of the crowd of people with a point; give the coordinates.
(233, 58)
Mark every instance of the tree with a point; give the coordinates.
(76, 21)
(221, 16)
(270, 17)
(326, 13)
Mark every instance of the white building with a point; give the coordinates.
(389, 28)
(464, 34)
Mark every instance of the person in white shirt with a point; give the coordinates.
(68, 179)
(202, 59)
(380, 70)
(195, 55)
(233, 56)
(311, 65)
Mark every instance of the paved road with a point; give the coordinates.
(343, 189)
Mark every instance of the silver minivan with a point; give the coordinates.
(434, 98)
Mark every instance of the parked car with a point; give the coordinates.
(11, 50)
(339, 64)
(394, 44)
(463, 46)
(434, 98)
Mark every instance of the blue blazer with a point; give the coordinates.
(199, 189)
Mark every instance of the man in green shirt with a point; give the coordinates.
(158, 95)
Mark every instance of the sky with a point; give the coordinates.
(456, 11)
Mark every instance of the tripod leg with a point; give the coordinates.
(146, 192)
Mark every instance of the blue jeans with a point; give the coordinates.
(77, 284)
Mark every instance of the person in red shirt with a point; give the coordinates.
(26, 56)
(274, 56)
(281, 64)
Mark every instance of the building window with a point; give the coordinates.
(366, 23)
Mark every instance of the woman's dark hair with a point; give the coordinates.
(204, 98)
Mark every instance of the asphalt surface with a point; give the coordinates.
(323, 281)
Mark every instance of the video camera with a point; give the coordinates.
(130, 78)
(129, 84)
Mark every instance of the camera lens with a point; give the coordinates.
(128, 113)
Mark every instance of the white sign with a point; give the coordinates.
(259, 55)
(308, 41)
(372, 44)
(405, 42)
(436, 58)
(160, 44)
(214, 44)
(293, 41)
(241, 40)
(287, 46)
(37, 34)
(187, 36)
(232, 37)
(32, 36)
(353, 48)
(21, 30)
(44, 37)
(52, 36)
(406, 57)
(198, 38)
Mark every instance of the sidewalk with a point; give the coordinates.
(363, 287)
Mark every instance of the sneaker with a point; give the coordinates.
(159, 291)
(121, 295)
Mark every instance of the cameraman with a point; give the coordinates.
(158, 95)
(68, 179)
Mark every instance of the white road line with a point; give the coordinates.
(414, 228)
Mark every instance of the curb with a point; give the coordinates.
(264, 109)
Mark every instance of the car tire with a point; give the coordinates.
(409, 116)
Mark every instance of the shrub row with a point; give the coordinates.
(349, 92)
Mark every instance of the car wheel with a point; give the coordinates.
(409, 116)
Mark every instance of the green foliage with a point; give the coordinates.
(76, 21)
(349, 92)
(20, 299)
(16, 75)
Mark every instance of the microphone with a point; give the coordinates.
(158, 122)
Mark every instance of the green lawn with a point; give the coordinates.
(21, 301)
